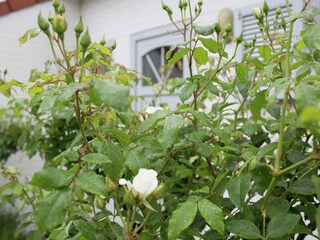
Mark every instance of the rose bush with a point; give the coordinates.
(244, 167)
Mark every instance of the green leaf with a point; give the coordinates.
(282, 224)
(311, 36)
(242, 73)
(310, 114)
(30, 34)
(316, 182)
(200, 55)
(303, 187)
(265, 53)
(50, 211)
(204, 30)
(257, 104)
(7, 86)
(238, 189)
(92, 183)
(69, 91)
(50, 178)
(202, 118)
(136, 159)
(212, 214)
(171, 128)
(181, 218)
(318, 220)
(153, 119)
(178, 56)
(96, 158)
(114, 168)
(86, 228)
(277, 205)
(115, 96)
(244, 229)
(121, 136)
(187, 91)
(210, 44)
(47, 103)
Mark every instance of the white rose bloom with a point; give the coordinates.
(257, 12)
(150, 109)
(144, 183)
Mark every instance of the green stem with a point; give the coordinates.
(142, 224)
(295, 166)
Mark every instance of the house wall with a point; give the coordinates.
(19, 60)
(119, 21)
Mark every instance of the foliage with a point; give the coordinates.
(244, 166)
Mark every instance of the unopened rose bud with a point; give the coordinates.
(43, 24)
(59, 24)
(55, 4)
(85, 40)
(200, 3)
(103, 41)
(78, 28)
(265, 8)
(228, 28)
(183, 4)
(217, 28)
(62, 9)
(50, 18)
(283, 24)
(100, 203)
(257, 13)
(114, 45)
(111, 186)
(278, 11)
(158, 192)
(239, 38)
(128, 198)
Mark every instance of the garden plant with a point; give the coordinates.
(237, 159)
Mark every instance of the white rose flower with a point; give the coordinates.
(257, 12)
(150, 109)
(144, 183)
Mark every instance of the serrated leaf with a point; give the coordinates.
(135, 160)
(115, 96)
(238, 189)
(200, 55)
(178, 56)
(212, 214)
(121, 136)
(92, 183)
(204, 30)
(181, 218)
(171, 128)
(244, 229)
(202, 118)
(47, 103)
(69, 91)
(257, 104)
(242, 73)
(265, 53)
(153, 119)
(303, 187)
(50, 211)
(210, 44)
(34, 90)
(114, 168)
(96, 158)
(316, 182)
(282, 224)
(187, 90)
(50, 178)
(277, 205)
(86, 228)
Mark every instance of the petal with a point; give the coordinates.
(123, 181)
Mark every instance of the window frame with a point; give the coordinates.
(146, 41)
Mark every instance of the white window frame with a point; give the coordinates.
(144, 42)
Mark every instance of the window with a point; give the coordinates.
(148, 57)
(246, 22)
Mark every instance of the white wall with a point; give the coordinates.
(19, 60)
